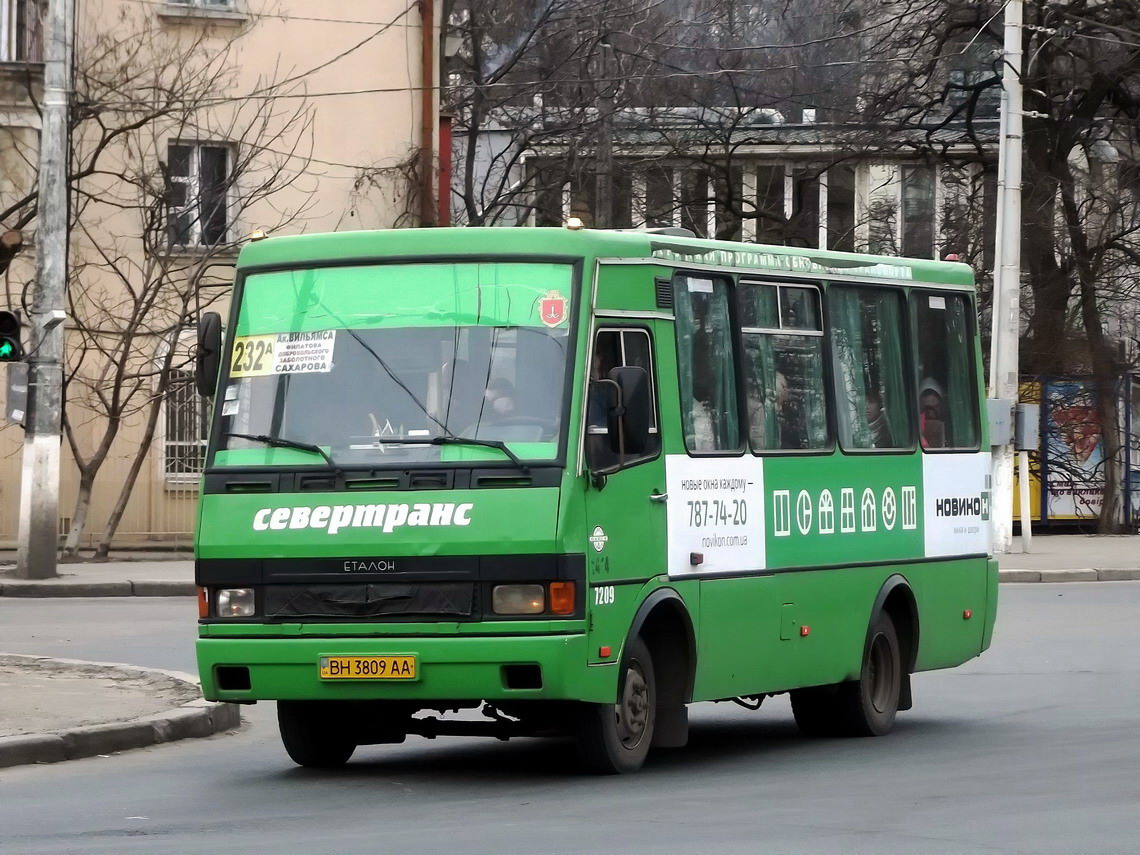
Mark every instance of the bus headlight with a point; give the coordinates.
(518, 599)
(235, 602)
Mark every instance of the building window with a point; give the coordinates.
(695, 201)
(771, 215)
(200, 178)
(659, 207)
(549, 188)
(204, 4)
(186, 423)
(918, 212)
(728, 187)
(841, 208)
(21, 30)
(803, 224)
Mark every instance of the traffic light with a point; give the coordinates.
(10, 347)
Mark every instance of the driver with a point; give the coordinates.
(500, 400)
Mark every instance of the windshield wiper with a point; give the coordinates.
(281, 442)
(452, 439)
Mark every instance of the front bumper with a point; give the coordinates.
(449, 668)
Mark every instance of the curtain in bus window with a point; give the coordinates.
(874, 409)
(704, 353)
(961, 395)
(815, 400)
(758, 310)
(851, 398)
(887, 324)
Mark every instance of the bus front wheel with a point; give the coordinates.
(312, 736)
(615, 738)
(863, 707)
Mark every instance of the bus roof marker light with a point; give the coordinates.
(575, 224)
(258, 234)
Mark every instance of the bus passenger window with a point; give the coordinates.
(872, 397)
(947, 392)
(783, 367)
(709, 415)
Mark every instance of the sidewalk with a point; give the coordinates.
(1054, 558)
(105, 579)
(63, 709)
(1073, 558)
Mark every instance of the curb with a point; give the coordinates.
(194, 719)
(1083, 574)
(126, 588)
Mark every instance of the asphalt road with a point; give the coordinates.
(1031, 749)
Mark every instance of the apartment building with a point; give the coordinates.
(195, 122)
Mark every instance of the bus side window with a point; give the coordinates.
(947, 395)
(782, 339)
(710, 418)
(873, 399)
(618, 348)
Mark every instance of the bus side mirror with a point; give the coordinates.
(629, 421)
(208, 357)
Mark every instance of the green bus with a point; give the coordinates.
(529, 482)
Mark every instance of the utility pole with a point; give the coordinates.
(1006, 328)
(604, 188)
(39, 485)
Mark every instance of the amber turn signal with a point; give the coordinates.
(562, 598)
(203, 603)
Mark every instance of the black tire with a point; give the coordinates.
(863, 707)
(312, 737)
(814, 710)
(614, 739)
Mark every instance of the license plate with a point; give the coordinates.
(368, 667)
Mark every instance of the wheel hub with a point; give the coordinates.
(633, 711)
(881, 674)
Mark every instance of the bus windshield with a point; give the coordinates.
(372, 363)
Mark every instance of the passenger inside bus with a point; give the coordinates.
(931, 414)
(877, 421)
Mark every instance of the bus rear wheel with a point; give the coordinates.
(615, 738)
(863, 707)
(312, 736)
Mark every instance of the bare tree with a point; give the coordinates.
(165, 160)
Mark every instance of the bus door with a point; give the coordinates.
(625, 509)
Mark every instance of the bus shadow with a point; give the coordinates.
(712, 745)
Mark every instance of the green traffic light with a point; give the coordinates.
(7, 351)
